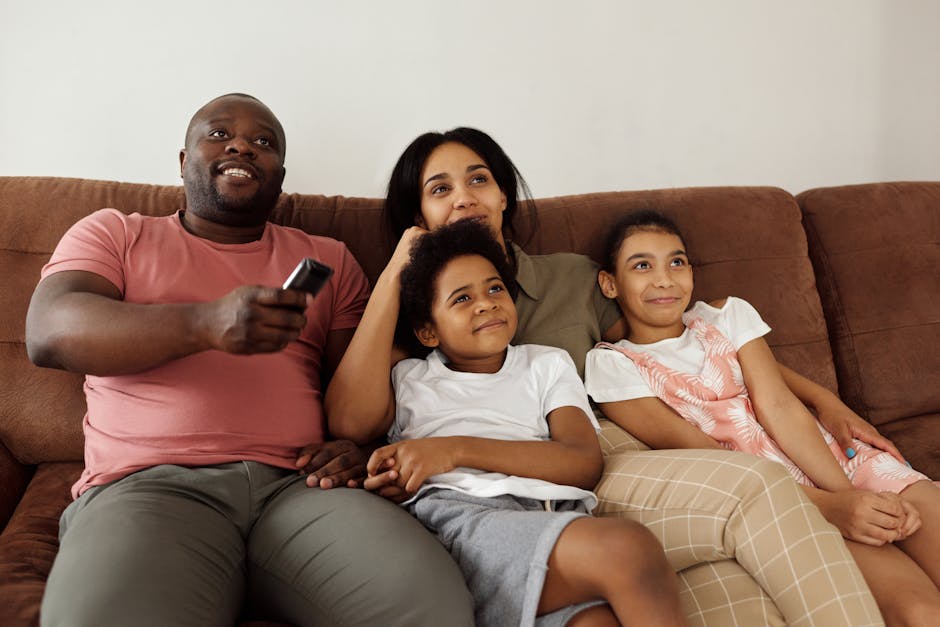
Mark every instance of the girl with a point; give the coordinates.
(496, 444)
(705, 378)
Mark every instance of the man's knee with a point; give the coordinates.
(135, 558)
(352, 558)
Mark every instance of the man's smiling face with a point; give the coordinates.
(233, 163)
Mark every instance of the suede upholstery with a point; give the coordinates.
(847, 277)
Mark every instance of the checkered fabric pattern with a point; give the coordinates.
(749, 546)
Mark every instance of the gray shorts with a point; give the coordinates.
(502, 545)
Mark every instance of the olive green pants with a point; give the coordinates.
(197, 546)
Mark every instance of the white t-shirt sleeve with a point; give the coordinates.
(563, 386)
(611, 376)
(737, 320)
(402, 372)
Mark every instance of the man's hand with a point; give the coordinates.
(872, 518)
(331, 464)
(253, 319)
(844, 425)
(414, 461)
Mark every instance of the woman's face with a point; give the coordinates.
(455, 184)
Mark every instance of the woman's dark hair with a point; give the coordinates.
(430, 254)
(403, 199)
(627, 225)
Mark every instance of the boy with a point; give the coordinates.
(495, 445)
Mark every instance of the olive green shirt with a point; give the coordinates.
(560, 304)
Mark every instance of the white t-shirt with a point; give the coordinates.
(434, 401)
(611, 376)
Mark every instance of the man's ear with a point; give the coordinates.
(182, 160)
(607, 284)
(426, 335)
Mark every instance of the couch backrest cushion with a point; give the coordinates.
(744, 241)
(41, 409)
(876, 254)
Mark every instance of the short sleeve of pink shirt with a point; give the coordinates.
(211, 407)
(611, 376)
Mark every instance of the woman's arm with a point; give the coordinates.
(843, 423)
(571, 457)
(656, 424)
(359, 401)
(786, 419)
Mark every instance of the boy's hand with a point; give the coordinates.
(871, 518)
(385, 484)
(845, 425)
(414, 461)
(331, 464)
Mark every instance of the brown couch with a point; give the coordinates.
(848, 278)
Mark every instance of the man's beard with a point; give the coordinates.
(205, 199)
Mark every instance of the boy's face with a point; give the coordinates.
(473, 317)
(652, 283)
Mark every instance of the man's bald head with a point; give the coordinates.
(220, 100)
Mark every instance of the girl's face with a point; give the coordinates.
(457, 184)
(652, 283)
(473, 317)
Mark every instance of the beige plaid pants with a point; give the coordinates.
(749, 547)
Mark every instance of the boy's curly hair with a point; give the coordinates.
(429, 255)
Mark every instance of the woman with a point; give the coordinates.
(730, 518)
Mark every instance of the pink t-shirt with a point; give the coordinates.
(210, 407)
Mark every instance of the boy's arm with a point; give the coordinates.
(786, 419)
(571, 457)
(843, 423)
(656, 424)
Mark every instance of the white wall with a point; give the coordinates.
(585, 96)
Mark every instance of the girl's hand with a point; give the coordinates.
(414, 461)
(845, 425)
(913, 521)
(869, 517)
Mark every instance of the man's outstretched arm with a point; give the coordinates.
(77, 321)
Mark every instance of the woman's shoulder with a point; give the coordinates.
(564, 260)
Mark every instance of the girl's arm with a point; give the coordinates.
(571, 457)
(843, 423)
(656, 424)
(359, 401)
(786, 419)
